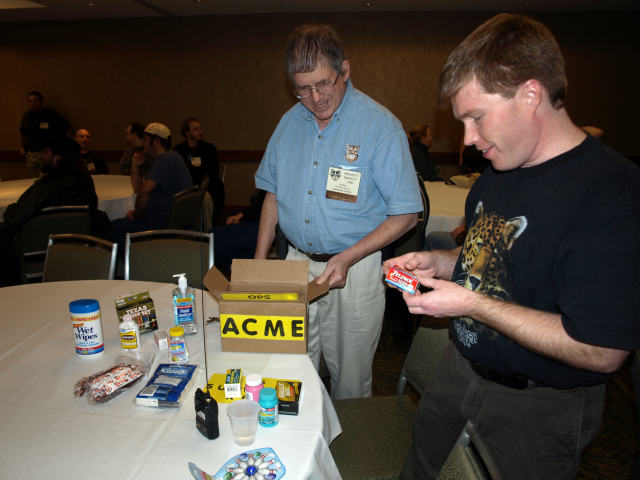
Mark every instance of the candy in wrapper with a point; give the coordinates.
(402, 280)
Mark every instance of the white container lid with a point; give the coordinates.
(253, 380)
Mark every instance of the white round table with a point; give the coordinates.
(115, 194)
(50, 434)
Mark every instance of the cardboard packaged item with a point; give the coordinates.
(140, 306)
(264, 306)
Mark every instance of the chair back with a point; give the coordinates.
(470, 459)
(413, 240)
(33, 237)
(72, 256)
(423, 358)
(185, 208)
(156, 255)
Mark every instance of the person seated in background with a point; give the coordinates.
(471, 159)
(201, 158)
(95, 163)
(168, 176)
(239, 236)
(66, 181)
(133, 136)
(420, 140)
(441, 240)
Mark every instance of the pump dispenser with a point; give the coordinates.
(184, 306)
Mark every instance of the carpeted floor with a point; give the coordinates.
(610, 456)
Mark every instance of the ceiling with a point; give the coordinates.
(44, 10)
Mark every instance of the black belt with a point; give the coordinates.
(316, 257)
(511, 380)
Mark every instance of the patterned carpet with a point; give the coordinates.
(610, 456)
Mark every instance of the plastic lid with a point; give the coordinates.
(182, 281)
(268, 394)
(253, 380)
(127, 317)
(85, 305)
(176, 331)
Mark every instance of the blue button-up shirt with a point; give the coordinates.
(296, 165)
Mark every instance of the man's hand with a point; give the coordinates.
(336, 271)
(131, 215)
(233, 219)
(447, 299)
(137, 159)
(421, 265)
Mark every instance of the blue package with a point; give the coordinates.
(168, 386)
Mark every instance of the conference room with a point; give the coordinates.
(104, 65)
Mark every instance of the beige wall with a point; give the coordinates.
(227, 70)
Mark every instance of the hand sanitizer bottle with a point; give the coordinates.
(184, 306)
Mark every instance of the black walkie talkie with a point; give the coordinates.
(206, 414)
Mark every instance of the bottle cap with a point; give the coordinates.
(85, 305)
(176, 331)
(253, 380)
(268, 394)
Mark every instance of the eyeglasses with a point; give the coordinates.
(322, 88)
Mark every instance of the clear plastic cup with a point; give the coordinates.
(243, 415)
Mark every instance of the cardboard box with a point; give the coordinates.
(264, 306)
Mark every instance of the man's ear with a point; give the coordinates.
(345, 70)
(531, 92)
(56, 159)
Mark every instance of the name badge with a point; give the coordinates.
(196, 161)
(91, 167)
(343, 184)
(44, 125)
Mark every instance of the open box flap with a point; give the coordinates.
(215, 281)
(315, 290)
(269, 271)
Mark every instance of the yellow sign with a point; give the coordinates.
(266, 297)
(262, 327)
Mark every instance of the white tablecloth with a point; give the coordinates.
(115, 195)
(447, 206)
(47, 433)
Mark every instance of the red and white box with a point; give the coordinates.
(402, 280)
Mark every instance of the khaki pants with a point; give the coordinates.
(345, 325)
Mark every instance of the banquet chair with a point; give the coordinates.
(470, 459)
(376, 431)
(156, 255)
(186, 207)
(423, 358)
(33, 237)
(72, 256)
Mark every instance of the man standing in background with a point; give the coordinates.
(201, 158)
(38, 124)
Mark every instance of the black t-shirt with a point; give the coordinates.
(559, 237)
(201, 161)
(37, 126)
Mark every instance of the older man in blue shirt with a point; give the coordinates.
(341, 184)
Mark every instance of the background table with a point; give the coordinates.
(115, 194)
(47, 433)
(447, 206)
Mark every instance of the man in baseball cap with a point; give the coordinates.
(168, 176)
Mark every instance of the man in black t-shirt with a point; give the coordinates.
(201, 158)
(543, 295)
(38, 124)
